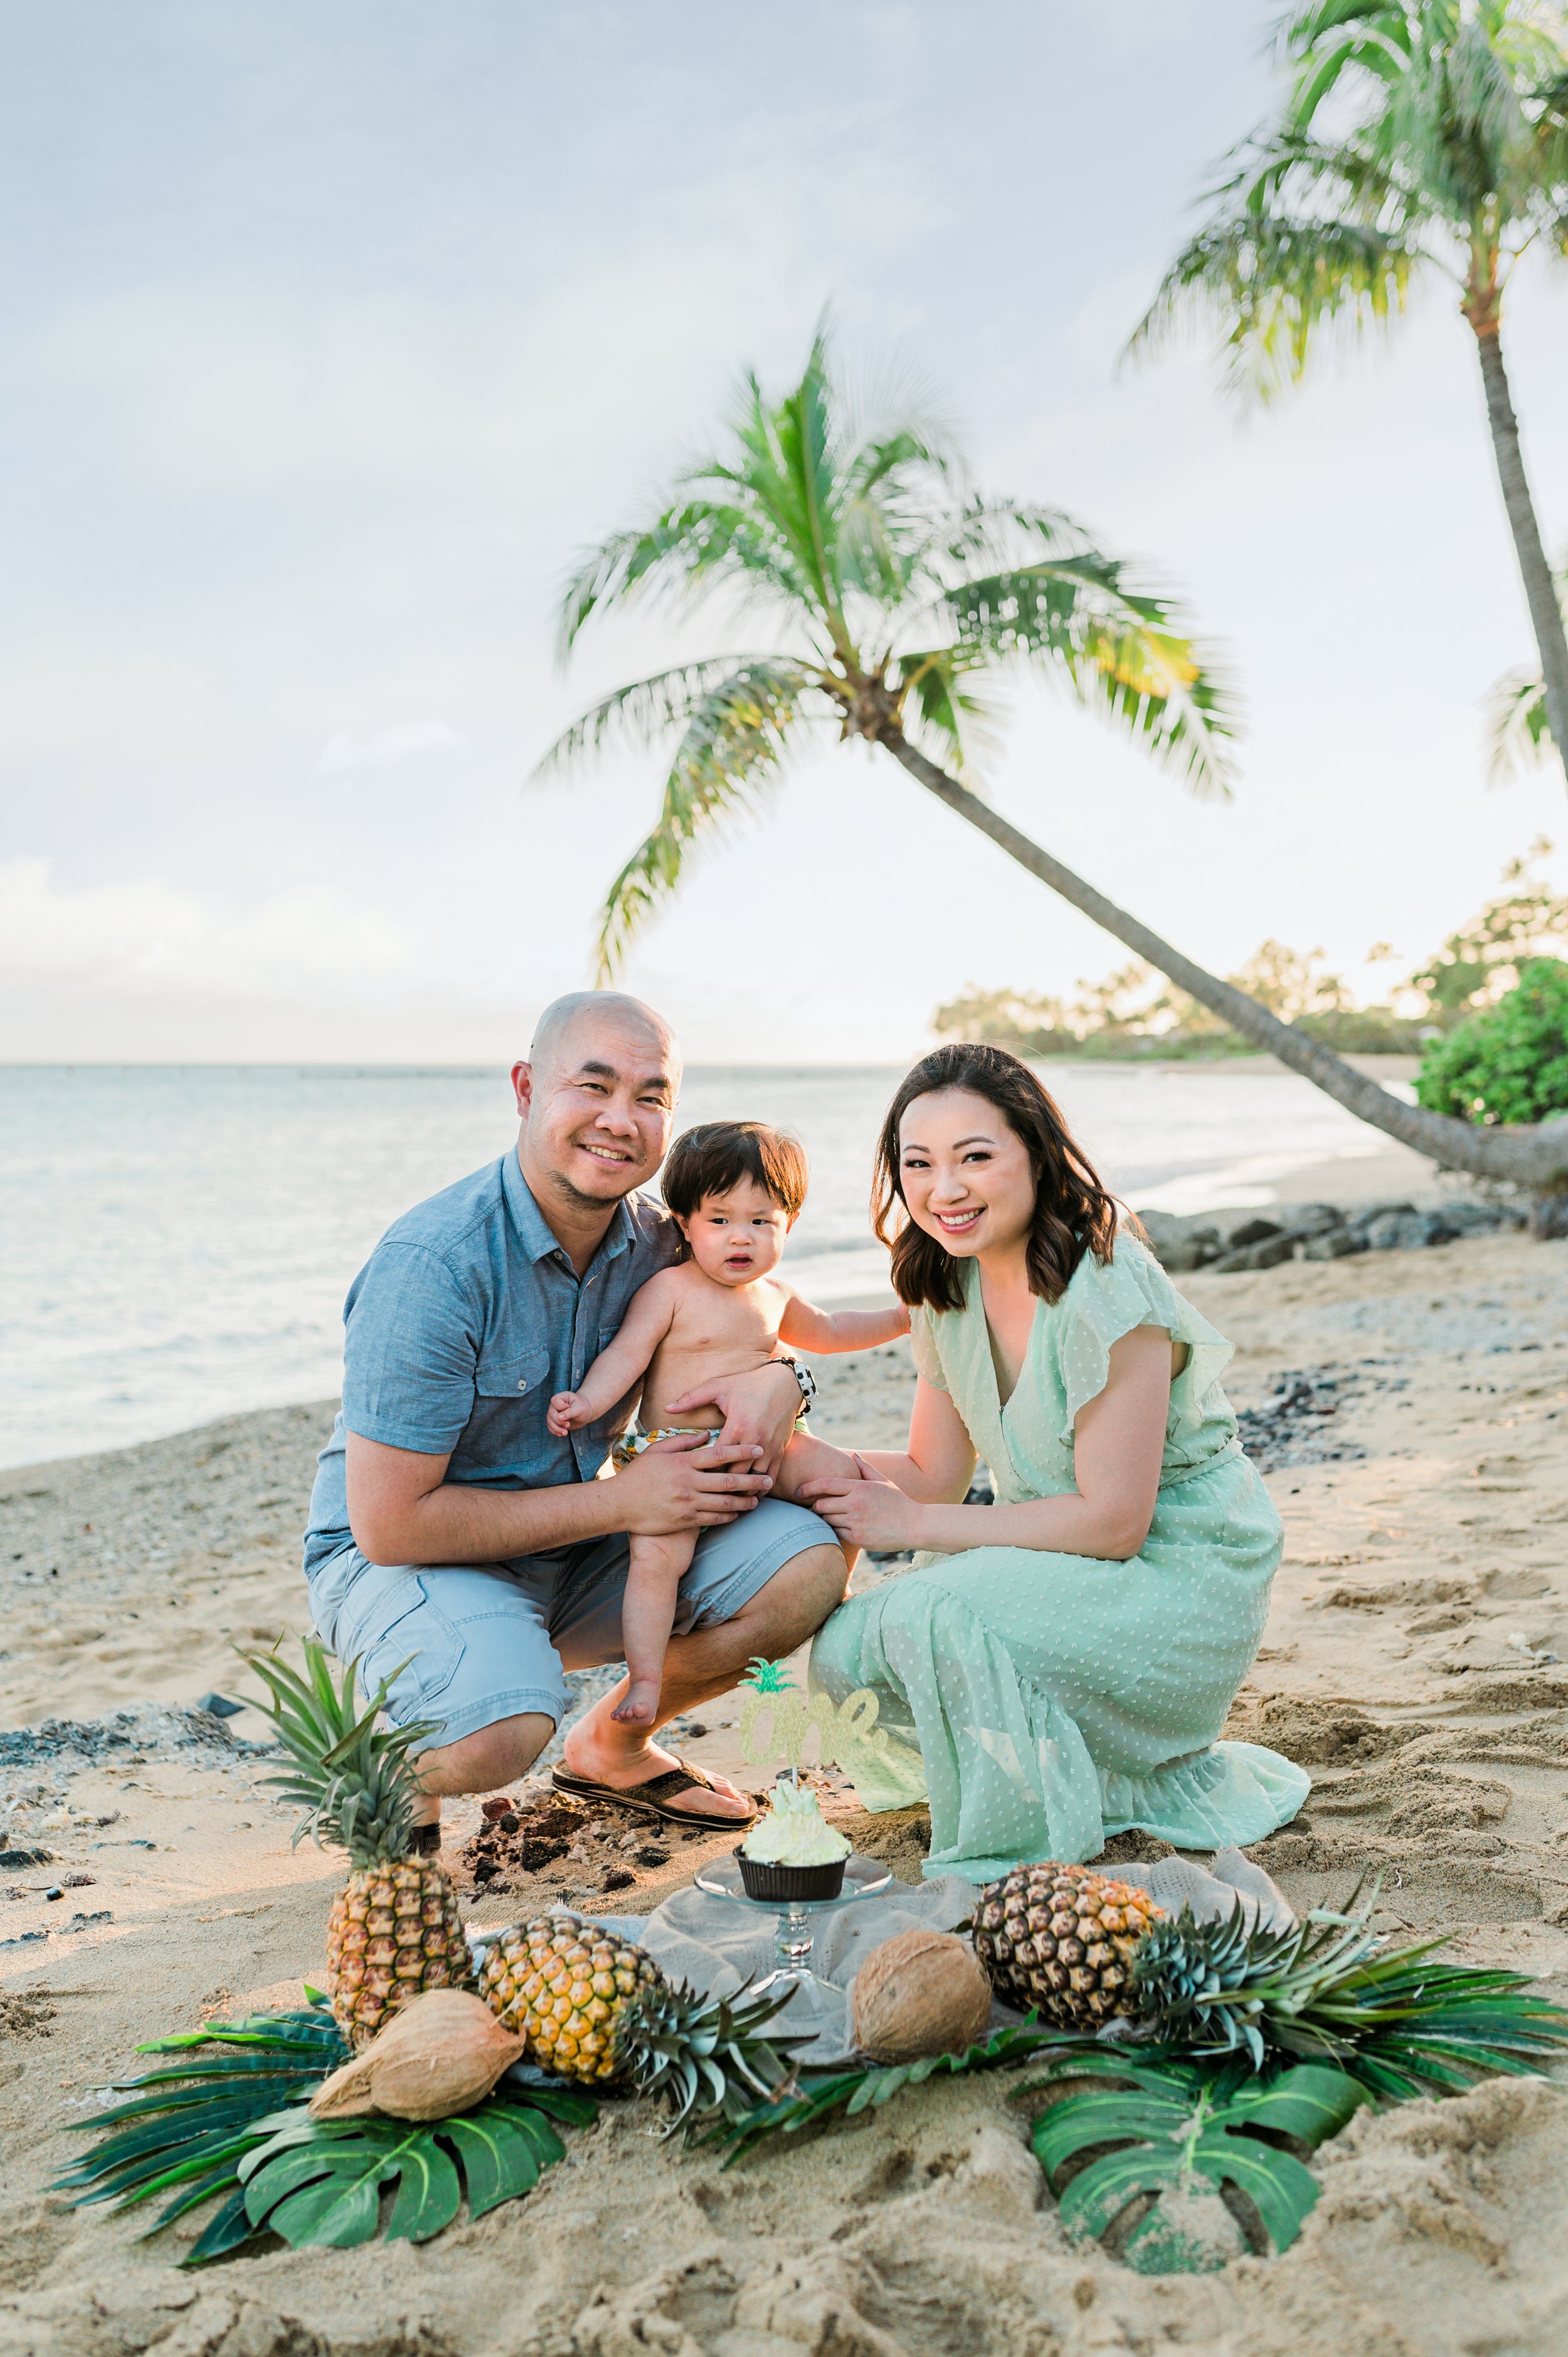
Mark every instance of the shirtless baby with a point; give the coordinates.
(735, 1188)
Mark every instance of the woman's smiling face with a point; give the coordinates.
(966, 1175)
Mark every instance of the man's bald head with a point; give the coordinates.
(598, 1097)
(563, 1032)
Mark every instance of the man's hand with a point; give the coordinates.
(760, 1410)
(689, 1484)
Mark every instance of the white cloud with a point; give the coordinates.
(154, 937)
(383, 749)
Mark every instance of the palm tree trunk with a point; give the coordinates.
(1540, 593)
(1535, 1158)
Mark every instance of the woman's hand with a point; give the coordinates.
(869, 1512)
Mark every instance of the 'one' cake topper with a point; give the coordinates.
(778, 1721)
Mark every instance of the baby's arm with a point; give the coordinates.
(617, 1369)
(806, 1328)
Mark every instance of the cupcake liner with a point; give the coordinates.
(764, 1880)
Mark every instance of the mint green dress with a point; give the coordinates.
(1042, 1702)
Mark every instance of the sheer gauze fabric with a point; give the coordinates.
(1042, 1702)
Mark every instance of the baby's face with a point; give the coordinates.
(738, 1236)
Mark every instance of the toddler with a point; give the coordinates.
(735, 1188)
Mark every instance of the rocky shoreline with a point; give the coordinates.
(1228, 1243)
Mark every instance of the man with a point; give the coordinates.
(452, 1541)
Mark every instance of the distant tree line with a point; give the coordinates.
(1134, 1013)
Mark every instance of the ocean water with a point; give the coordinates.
(176, 1243)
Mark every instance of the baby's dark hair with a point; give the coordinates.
(717, 1155)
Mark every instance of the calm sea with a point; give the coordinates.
(176, 1243)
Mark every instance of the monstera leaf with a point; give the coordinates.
(1184, 2128)
(233, 2121)
(322, 2180)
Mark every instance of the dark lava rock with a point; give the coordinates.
(1313, 1218)
(1266, 1252)
(618, 1879)
(510, 1842)
(1291, 1427)
(652, 1856)
(1253, 1231)
(94, 1737)
(14, 1857)
(1333, 1243)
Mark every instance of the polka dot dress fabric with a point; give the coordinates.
(1042, 1702)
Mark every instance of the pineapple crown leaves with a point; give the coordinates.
(1332, 1990)
(704, 2055)
(350, 1777)
(765, 1677)
(1177, 2127)
(230, 2121)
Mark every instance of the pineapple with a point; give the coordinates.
(1098, 1958)
(395, 1930)
(591, 2005)
(1061, 1939)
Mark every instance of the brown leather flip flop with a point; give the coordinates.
(654, 1799)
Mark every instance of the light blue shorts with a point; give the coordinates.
(489, 1641)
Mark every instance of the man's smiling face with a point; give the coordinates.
(596, 1099)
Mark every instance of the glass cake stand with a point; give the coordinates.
(795, 1930)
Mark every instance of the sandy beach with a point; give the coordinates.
(1411, 1663)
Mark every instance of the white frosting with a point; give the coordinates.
(793, 1833)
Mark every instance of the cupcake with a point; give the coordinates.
(791, 1853)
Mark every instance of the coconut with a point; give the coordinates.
(920, 1993)
(442, 2053)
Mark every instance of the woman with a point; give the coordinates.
(1056, 1666)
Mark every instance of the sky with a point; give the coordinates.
(334, 330)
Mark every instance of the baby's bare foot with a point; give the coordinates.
(640, 1706)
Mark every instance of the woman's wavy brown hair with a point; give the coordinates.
(1073, 1213)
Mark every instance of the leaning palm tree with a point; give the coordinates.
(886, 596)
(1519, 731)
(1422, 138)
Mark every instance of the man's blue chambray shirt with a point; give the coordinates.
(463, 1321)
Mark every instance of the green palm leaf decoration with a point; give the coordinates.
(1176, 2128)
(811, 2097)
(231, 2122)
(1331, 1990)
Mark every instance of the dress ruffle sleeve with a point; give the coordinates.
(923, 1349)
(1106, 1300)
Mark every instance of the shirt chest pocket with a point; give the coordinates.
(505, 1433)
(518, 1376)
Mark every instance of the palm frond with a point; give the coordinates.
(642, 712)
(1117, 650)
(1517, 735)
(1272, 281)
(696, 545)
(950, 718)
(813, 2095)
(736, 739)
